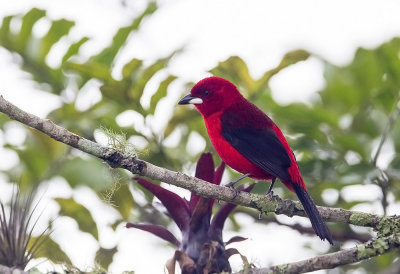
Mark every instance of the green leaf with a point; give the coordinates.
(293, 57)
(90, 172)
(395, 134)
(5, 31)
(37, 156)
(107, 56)
(33, 57)
(140, 82)
(74, 49)
(35, 163)
(160, 93)
(289, 59)
(71, 208)
(51, 251)
(131, 68)
(348, 142)
(57, 30)
(92, 70)
(120, 196)
(181, 116)
(104, 256)
(235, 70)
(28, 21)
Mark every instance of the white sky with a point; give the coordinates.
(260, 32)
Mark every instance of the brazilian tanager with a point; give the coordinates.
(248, 141)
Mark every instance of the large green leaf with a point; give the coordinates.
(28, 21)
(57, 30)
(83, 217)
(89, 171)
(235, 70)
(288, 59)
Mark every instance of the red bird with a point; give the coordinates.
(248, 141)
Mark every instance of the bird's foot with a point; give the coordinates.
(233, 189)
(231, 184)
(270, 193)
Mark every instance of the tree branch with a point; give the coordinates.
(388, 227)
(116, 159)
(346, 256)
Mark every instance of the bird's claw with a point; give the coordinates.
(231, 184)
(234, 192)
(233, 189)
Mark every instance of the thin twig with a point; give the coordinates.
(388, 128)
(384, 182)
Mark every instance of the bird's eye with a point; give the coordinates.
(206, 93)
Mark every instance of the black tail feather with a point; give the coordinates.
(317, 223)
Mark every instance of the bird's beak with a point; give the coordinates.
(189, 99)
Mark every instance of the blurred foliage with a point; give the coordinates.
(337, 136)
(71, 208)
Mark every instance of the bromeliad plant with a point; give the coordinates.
(201, 249)
(17, 244)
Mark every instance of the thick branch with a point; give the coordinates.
(115, 159)
(346, 256)
(387, 226)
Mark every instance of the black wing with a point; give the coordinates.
(261, 146)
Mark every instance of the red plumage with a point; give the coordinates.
(248, 141)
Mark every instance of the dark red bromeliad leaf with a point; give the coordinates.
(217, 179)
(235, 239)
(176, 206)
(205, 168)
(201, 207)
(218, 173)
(157, 230)
(218, 221)
(204, 171)
(201, 239)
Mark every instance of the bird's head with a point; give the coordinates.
(211, 95)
